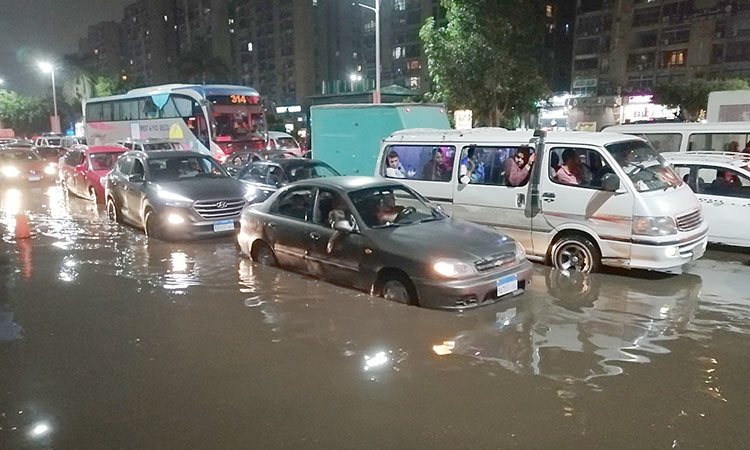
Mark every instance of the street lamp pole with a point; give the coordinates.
(47, 67)
(376, 9)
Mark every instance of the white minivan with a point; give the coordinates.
(576, 200)
(690, 137)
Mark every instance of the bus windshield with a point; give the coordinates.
(238, 118)
(644, 166)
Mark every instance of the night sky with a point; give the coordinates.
(31, 30)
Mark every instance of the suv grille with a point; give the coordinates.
(689, 221)
(493, 261)
(219, 209)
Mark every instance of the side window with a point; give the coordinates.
(295, 203)
(330, 208)
(664, 142)
(580, 167)
(256, 173)
(496, 166)
(683, 171)
(137, 168)
(419, 162)
(720, 142)
(125, 165)
(722, 182)
(275, 175)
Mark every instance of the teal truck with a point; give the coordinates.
(348, 136)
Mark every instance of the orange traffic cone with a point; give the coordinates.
(22, 226)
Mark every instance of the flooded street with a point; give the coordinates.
(109, 340)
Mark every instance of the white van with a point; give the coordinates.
(576, 207)
(690, 137)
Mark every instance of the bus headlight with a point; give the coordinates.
(654, 226)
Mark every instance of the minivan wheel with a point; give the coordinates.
(151, 225)
(576, 254)
(399, 290)
(263, 254)
(113, 213)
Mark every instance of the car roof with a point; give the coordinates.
(676, 127)
(348, 183)
(495, 135)
(104, 149)
(148, 141)
(151, 154)
(733, 159)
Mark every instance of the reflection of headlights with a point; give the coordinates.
(654, 226)
(10, 171)
(520, 252)
(49, 170)
(172, 197)
(175, 219)
(451, 268)
(251, 193)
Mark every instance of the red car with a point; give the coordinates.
(22, 165)
(82, 168)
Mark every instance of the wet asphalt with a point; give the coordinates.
(111, 341)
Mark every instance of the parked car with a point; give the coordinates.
(82, 169)
(174, 194)
(266, 177)
(382, 237)
(278, 140)
(583, 201)
(23, 165)
(721, 181)
(48, 140)
(242, 158)
(50, 154)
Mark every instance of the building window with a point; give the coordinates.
(646, 16)
(587, 46)
(645, 39)
(398, 52)
(675, 36)
(676, 58)
(414, 65)
(399, 5)
(586, 64)
(370, 27)
(548, 10)
(414, 82)
(641, 61)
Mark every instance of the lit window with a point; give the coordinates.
(249, 46)
(399, 5)
(548, 10)
(414, 82)
(166, 18)
(398, 52)
(414, 65)
(96, 51)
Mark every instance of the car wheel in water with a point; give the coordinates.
(264, 255)
(113, 213)
(151, 225)
(576, 254)
(399, 290)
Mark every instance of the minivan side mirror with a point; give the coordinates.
(610, 182)
(136, 178)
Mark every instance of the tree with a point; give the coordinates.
(106, 85)
(691, 96)
(195, 66)
(25, 115)
(485, 57)
(78, 84)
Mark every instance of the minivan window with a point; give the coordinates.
(497, 166)
(663, 142)
(722, 182)
(581, 167)
(645, 167)
(419, 162)
(720, 142)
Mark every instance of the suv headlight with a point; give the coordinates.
(451, 268)
(10, 171)
(654, 226)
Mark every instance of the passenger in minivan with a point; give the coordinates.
(433, 169)
(570, 171)
(394, 169)
(472, 167)
(517, 170)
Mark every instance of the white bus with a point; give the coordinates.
(216, 119)
(690, 137)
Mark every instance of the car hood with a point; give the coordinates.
(204, 188)
(447, 238)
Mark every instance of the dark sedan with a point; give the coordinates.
(382, 237)
(174, 194)
(263, 178)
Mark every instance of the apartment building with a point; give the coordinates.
(101, 46)
(148, 41)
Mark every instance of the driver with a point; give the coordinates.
(387, 210)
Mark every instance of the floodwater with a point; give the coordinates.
(109, 340)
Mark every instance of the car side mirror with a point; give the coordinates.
(344, 226)
(136, 178)
(610, 182)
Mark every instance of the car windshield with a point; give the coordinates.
(184, 168)
(393, 206)
(644, 166)
(19, 155)
(47, 152)
(54, 142)
(104, 161)
(161, 146)
(307, 171)
(285, 143)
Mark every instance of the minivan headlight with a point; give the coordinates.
(451, 268)
(654, 226)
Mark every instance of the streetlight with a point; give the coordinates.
(376, 9)
(2, 81)
(49, 68)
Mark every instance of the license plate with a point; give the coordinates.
(224, 225)
(35, 177)
(507, 285)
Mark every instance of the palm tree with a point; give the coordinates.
(79, 80)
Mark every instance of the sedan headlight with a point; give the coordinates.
(10, 171)
(49, 170)
(172, 197)
(654, 226)
(451, 268)
(520, 252)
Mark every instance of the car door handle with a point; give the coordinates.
(548, 197)
(271, 225)
(314, 236)
(520, 200)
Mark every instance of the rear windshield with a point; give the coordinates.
(286, 142)
(104, 161)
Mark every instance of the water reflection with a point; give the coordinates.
(586, 328)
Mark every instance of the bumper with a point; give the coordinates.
(471, 292)
(667, 255)
(195, 227)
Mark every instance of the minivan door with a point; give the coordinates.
(493, 188)
(572, 196)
